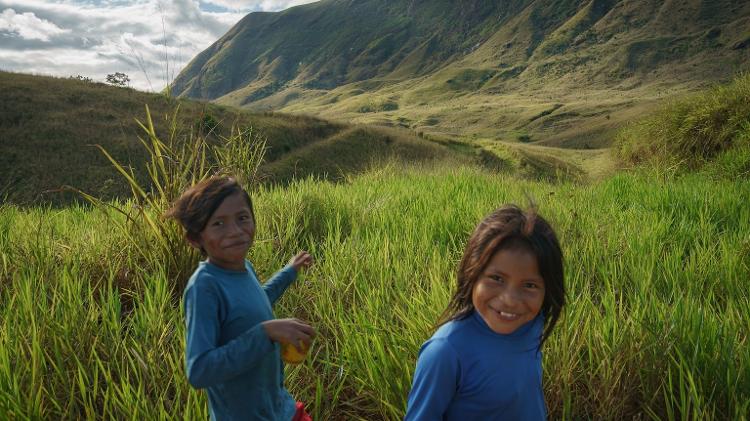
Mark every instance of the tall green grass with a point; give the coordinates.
(657, 270)
(688, 132)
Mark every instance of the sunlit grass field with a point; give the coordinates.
(657, 269)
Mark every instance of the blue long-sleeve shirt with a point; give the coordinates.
(468, 372)
(227, 351)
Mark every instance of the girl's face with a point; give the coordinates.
(229, 233)
(509, 291)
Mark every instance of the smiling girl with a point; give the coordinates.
(484, 362)
(232, 336)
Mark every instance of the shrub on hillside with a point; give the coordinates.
(207, 124)
(691, 131)
(81, 78)
(372, 107)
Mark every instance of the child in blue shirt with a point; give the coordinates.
(484, 362)
(232, 344)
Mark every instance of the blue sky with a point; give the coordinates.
(150, 40)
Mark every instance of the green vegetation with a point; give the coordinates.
(656, 272)
(118, 79)
(376, 107)
(485, 69)
(470, 79)
(691, 131)
(572, 29)
(356, 150)
(657, 260)
(49, 128)
(549, 164)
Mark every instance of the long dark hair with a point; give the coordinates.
(507, 227)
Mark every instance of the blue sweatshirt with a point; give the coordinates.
(227, 351)
(468, 372)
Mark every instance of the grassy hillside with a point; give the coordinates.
(49, 126)
(709, 127)
(358, 149)
(565, 73)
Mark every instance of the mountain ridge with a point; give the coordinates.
(373, 61)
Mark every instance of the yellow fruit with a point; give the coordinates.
(291, 355)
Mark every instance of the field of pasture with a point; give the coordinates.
(656, 271)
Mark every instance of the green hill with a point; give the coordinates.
(564, 73)
(49, 126)
(708, 128)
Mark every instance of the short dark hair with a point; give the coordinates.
(509, 227)
(195, 206)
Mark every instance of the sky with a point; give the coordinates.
(148, 40)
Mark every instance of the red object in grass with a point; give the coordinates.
(301, 415)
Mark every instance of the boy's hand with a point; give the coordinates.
(303, 260)
(290, 331)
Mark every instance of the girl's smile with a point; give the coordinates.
(508, 317)
(510, 290)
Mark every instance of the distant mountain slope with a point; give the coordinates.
(427, 64)
(333, 42)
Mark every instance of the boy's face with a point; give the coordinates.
(509, 291)
(229, 233)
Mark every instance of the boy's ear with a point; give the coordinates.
(194, 241)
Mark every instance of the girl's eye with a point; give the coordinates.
(217, 223)
(496, 278)
(244, 218)
(531, 285)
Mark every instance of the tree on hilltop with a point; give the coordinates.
(118, 79)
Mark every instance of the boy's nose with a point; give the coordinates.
(235, 229)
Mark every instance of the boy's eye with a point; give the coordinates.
(218, 223)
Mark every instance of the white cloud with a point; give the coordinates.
(265, 5)
(28, 26)
(150, 40)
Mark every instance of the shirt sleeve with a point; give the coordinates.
(435, 382)
(206, 362)
(278, 283)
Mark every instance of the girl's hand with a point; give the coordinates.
(303, 260)
(290, 331)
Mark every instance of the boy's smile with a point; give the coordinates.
(510, 290)
(229, 233)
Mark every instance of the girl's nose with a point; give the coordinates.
(509, 297)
